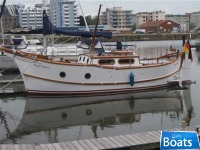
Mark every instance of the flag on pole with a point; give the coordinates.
(187, 50)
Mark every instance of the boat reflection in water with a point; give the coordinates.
(61, 113)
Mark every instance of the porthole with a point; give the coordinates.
(88, 112)
(87, 60)
(87, 75)
(62, 74)
(63, 115)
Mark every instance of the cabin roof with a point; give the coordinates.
(114, 54)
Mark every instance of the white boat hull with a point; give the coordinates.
(43, 77)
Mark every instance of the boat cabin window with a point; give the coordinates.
(106, 62)
(80, 59)
(84, 59)
(88, 60)
(126, 61)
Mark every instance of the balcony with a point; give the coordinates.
(66, 20)
(76, 19)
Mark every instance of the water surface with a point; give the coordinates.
(46, 120)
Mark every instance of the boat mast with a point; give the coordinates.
(95, 30)
(1, 14)
(86, 25)
(2, 8)
(44, 37)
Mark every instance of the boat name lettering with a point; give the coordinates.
(41, 66)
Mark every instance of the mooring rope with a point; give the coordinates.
(7, 69)
(16, 76)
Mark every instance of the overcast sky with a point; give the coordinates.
(90, 7)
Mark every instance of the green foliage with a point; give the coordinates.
(192, 25)
(133, 27)
(16, 26)
(90, 20)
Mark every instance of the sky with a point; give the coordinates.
(90, 7)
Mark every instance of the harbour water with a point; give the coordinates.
(26, 119)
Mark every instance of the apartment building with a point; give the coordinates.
(183, 20)
(118, 18)
(9, 19)
(31, 17)
(64, 13)
(143, 17)
(195, 19)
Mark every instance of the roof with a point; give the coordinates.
(155, 23)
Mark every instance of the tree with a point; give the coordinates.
(133, 27)
(90, 20)
(192, 25)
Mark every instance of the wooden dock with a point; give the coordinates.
(137, 141)
(12, 86)
(13, 81)
(146, 140)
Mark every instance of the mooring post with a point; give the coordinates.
(197, 129)
(183, 125)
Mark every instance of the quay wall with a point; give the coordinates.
(123, 37)
(138, 37)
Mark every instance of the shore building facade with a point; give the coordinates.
(143, 17)
(64, 13)
(183, 20)
(118, 18)
(195, 19)
(31, 17)
(9, 19)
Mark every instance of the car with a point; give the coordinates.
(139, 32)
